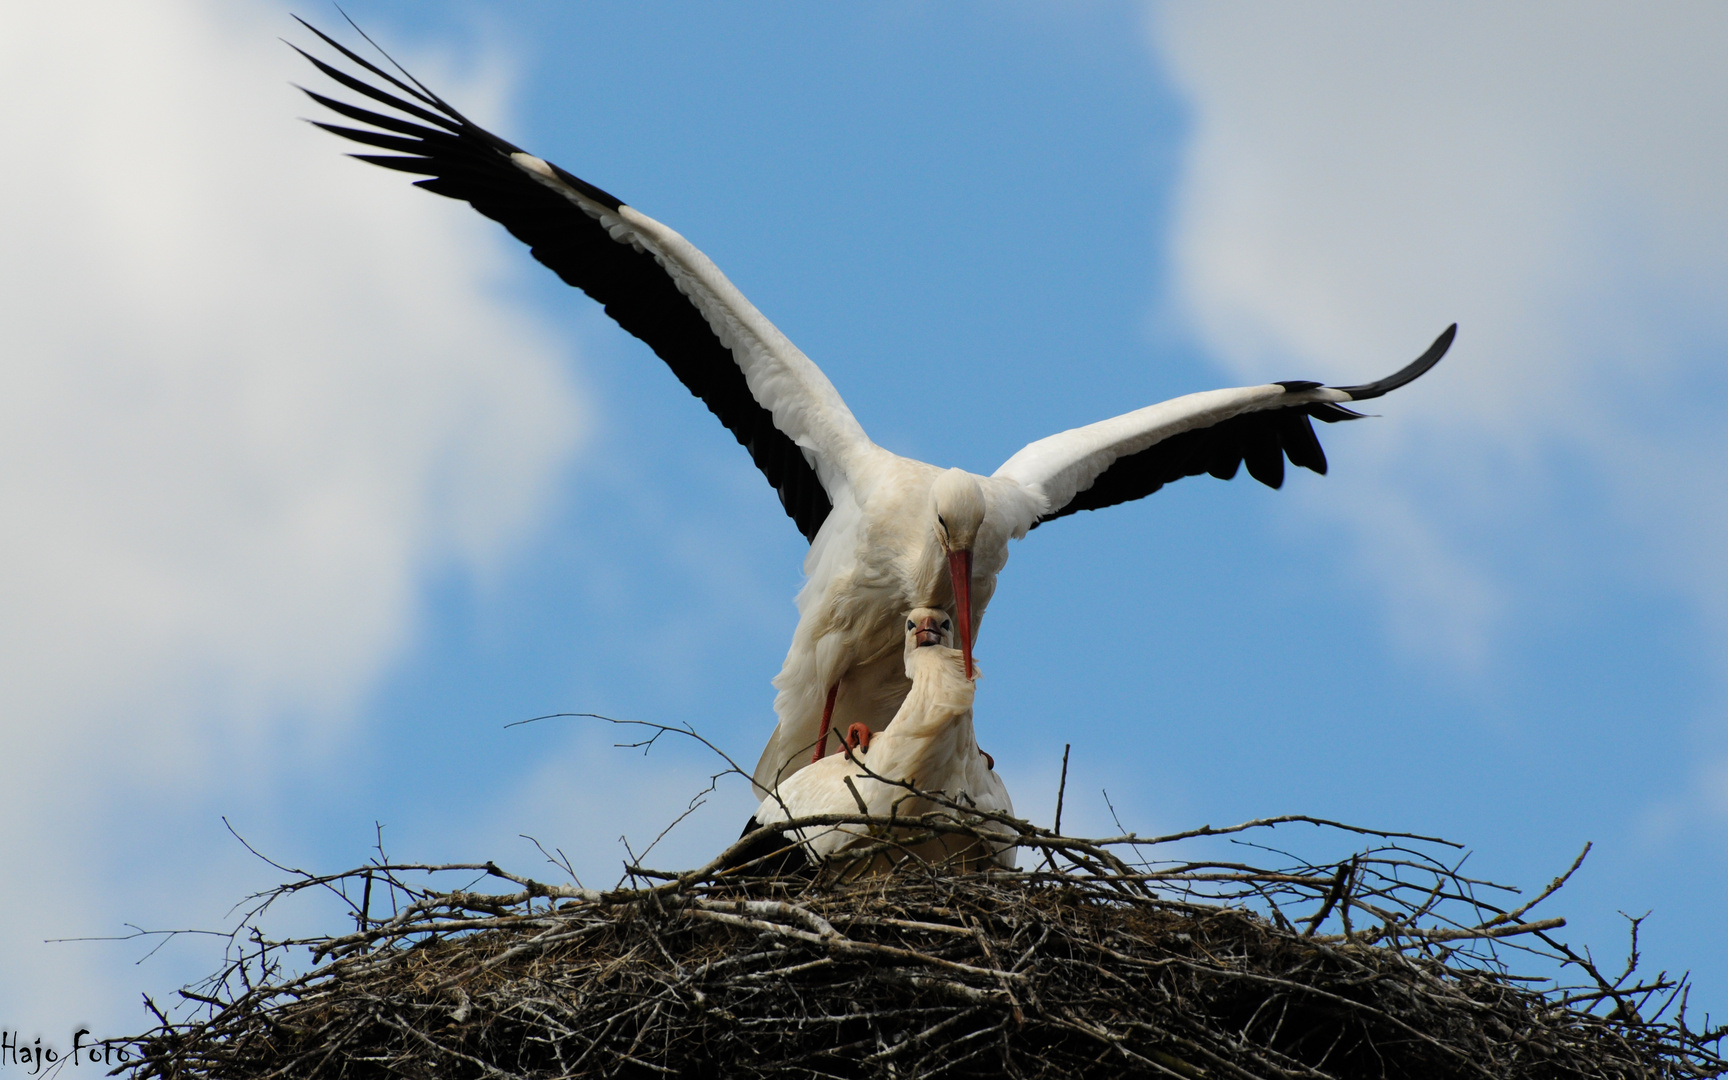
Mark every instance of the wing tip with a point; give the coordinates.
(1408, 373)
(458, 159)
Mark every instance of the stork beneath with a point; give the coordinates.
(887, 533)
(930, 745)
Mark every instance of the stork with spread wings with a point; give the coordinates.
(887, 533)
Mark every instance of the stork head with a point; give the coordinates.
(928, 626)
(959, 509)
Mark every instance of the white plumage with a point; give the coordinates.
(887, 533)
(930, 744)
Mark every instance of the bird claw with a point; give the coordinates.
(858, 737)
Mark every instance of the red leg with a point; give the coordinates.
(827, 715)
(989, 762)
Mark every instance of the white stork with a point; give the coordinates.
(886, 533)
(929, 744)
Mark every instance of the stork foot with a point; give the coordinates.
(858, 738)
(989, 762)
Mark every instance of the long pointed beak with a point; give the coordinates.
(960, 572)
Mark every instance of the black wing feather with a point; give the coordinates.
(1409, 372)
(774, 854)
(464, 161)
(1263, 453)
(1300, 445)
(364, 116)
(413, 166)
(1262, 440)
(360, 86)
(1217, 460)
(401, 144)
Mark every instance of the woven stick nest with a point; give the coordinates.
(1103, 958)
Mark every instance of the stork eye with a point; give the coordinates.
(910, 625)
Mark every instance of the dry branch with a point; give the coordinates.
(1098, 963)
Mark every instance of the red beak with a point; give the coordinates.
(960, 573)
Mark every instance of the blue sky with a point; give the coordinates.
(319, 481)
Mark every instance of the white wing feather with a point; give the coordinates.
(1059, 467)
(804, 404)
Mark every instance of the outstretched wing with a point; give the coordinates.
(1217, 431)
(652, 281)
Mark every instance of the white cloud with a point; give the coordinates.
(1551, 177)
(251, 397)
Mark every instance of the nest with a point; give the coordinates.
(1098, 959)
